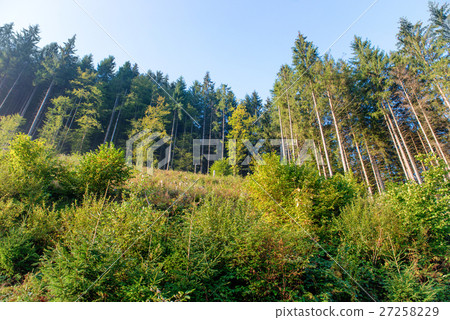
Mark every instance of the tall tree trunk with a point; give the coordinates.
(417, 151)
(223, 131)
(283, 152)
(444, 97)
(111, 119)
(174, 140)
(349, 169)
(203, 138)
(321, 132)
(11, 89)
(366, 177)
(290, 126)
(377, 172)
(397, 146)
(41, 107)
(411, 158)
(424, 147)
(415, 114)
(24, 109)
(115, 126)
(338, 135)
(316, 156)
(321, 160)
(372, 165)
(68, 125)
(438, 144)
(171, 139)
(209, 140)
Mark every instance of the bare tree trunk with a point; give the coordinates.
(68, 124)
(316, 156)
(288, 150)
(209, 140)
(115, 126)
(378, 173)
(438, 144)
(373, 166)
(203, 138)
(171, 139)
(444, 97)
(283, 152)
(321, 160)
(338, 136)
(290, 125)
(41, 107)
(366, 177)
(11, 89)
(174, 140)
(417, 150)
(111, 119)
(24, 110)
(223, 131)
(407, 171)
(346, 158)
(415, 114)
(411, 158)
(424, 147)
(321, 132)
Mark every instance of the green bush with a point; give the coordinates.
(220, 168)
(8, 128)
(402, 237)
(94, 236)
(286, 192)
(102, 169)
(17, 253)
(29, 170)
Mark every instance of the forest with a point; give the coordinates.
(366, 218)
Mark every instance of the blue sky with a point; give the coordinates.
(242, 43)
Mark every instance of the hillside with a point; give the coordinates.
(284, 233)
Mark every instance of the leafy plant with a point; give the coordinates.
(102, 169)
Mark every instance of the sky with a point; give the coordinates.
(242, 43)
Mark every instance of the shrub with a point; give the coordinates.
(285, 191)
(102, 169)
(8, 128)
(220, 168)
(94, 235)
(29, 170)
(17, 253)
(424, 209)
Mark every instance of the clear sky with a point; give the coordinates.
(242, 43)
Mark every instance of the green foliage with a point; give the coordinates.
(154, 119)
(241, 123)
(306, 197)
(423, 209)
(17, 253)
(94, 237)
(8, 128)
(402, 237)
(405, 286)
(29, 170)
(102, 169)
(50, 131)
(220, 168)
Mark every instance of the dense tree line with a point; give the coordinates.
(366, 220)
(77, 106)
(371, 115)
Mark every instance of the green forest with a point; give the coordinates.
(364, 218)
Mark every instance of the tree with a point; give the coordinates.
(241, 123)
